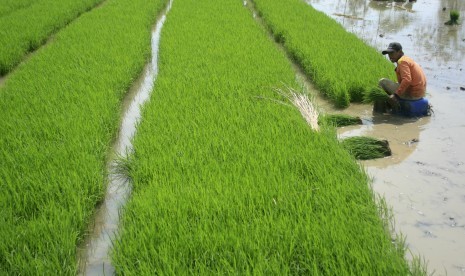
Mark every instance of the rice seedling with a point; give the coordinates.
(454, 17)
(45, 17)
(378, 97)
(419, 266)
(60, 113)
(225, 183)
(375, 94)
(341, 66)
(121, 167)
(364, 147)
(339, 120)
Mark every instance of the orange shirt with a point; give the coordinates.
(411, 78)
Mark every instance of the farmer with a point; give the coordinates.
(411, 81)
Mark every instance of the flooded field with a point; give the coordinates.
(424, 179)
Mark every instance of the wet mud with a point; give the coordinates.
(424, 180)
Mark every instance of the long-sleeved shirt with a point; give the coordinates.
(411, 78)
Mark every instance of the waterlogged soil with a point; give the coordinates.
(424, 180)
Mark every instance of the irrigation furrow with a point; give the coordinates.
(94, 256)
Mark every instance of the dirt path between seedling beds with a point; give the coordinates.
(424, 180)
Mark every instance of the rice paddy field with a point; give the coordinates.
(226, 178)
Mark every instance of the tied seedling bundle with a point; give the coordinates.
(375, 94)
(340, 120)
(366, 148)
(454, 18)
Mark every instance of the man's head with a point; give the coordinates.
(394, 50)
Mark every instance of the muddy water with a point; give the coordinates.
(424, 180)
(94, 256)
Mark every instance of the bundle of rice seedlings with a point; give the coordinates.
(375, 94)
(365, 148)
(340, 120)
(454, 18)
(303, 103)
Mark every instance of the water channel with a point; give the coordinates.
(94, 258)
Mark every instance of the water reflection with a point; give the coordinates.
(418, 26)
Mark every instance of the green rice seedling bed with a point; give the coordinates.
(228, 181)
(340, 65)
(9, 6)
(25, 30)
(60, 113)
